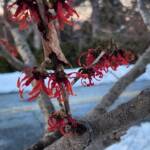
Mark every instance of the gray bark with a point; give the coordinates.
(23, 48)
(29, 60)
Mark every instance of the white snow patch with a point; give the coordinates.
(137, 138)
(8, 80)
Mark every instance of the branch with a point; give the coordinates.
(124, 81)
(16, 63)
(103, 125)
(45, 141)
(22, 46)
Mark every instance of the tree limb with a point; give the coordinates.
(145, 14)
(45, 141)
(107, 124)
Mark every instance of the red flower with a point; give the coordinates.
(63, 13)
(25, 12)
(117, 58)
(113, 60)
(59, 121)
(38, 78)
(58, 84)
(28, 10)
(88, 72)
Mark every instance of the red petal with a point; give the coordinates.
(36, 88)
(29, 81)
(33, 97)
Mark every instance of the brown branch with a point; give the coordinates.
(52, 45)
(46, 107)
(45, 141)
(109, 123)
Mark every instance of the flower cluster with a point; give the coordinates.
(59, 121)
(28, 10)
(111, 59)
(115, 59)
(35, 77)
(57, 84)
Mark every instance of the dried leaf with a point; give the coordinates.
(51, 45)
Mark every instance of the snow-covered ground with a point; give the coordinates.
(8, 80)
(137, 137)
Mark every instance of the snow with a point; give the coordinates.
(137, 138)
(8, 80)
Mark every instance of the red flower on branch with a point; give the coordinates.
(25, 12)
(114, 60)
(37, 78)
(59, 121)
(88, 72)
(64, 12)
(58, 84)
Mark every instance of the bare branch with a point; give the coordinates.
(45, 141)
(98, 58)
(22, 46)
